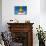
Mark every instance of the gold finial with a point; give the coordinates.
(20, 9)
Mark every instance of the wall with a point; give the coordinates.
(43, 14)
(0, 15)
(33, 11)
(34, 14)
(43, 6)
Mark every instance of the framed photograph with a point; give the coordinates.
(20, 10)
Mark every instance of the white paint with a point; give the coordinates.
(43, 6)
(0, 15)
(43, 14)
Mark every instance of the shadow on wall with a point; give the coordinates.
(0, 15)
(43, 6)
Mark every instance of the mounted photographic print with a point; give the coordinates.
(20, 10)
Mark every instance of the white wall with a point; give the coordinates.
(33, 14)
(43, 6)
(43, 14)
(0, 15)
(8, 10)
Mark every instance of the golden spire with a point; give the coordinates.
(20, 9)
